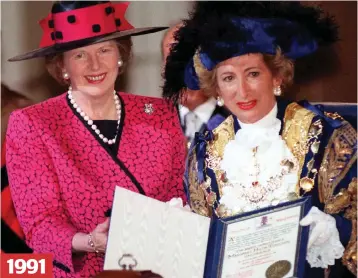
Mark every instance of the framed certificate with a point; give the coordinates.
(264, 243)
(177, 243)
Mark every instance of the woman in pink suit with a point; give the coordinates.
(66, 155)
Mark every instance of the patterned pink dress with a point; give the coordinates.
(62, 176)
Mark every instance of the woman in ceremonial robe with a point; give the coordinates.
(66, 155)
(270, 150)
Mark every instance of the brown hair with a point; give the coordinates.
(279, 65)
(54, 63)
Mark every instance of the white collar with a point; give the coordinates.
(203, 111)
(266, 121)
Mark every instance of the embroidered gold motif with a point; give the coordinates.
(215, 150)
(297, 133)
(349, 258)
(333, 116)
(339, 155)
(346, 200)
(222, 135)
(197, 196)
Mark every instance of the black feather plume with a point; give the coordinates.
(210, 22)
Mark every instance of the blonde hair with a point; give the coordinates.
(279, 65)
(54, 63)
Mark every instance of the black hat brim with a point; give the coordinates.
(63, 47)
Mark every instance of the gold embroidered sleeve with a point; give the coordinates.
(215, 150)
(339, 155)
(346, 200)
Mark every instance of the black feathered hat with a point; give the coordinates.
(73, 24)
(217, 31)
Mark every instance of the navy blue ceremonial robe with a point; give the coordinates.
(331, 167)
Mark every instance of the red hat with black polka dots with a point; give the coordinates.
(73, 24)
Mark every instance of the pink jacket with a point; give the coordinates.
(62, 179)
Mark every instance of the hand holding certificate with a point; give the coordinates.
(176, 243)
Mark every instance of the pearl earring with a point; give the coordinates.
(219, 101)
(277, 91)
(120, 63)
(66, 76)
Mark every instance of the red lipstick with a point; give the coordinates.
(248, 105)
(95, 79)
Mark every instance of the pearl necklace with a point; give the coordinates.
(90, 122)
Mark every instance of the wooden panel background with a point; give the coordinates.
(331, 73)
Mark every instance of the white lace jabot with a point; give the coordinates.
(246, 190)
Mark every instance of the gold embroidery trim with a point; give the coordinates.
(215, 149)
(339, 155)
(333, 116)
(346, 200)
(197, 197)
(296, 126)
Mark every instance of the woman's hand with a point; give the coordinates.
(324, 245)
(100, 236)
(178, 203)
(81, 242)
